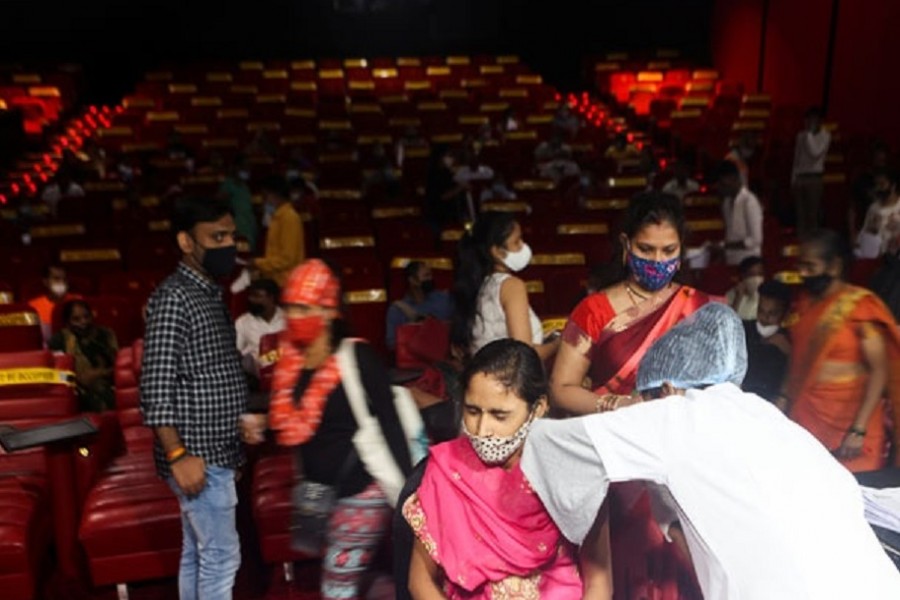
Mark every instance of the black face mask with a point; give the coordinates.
(255, 309)
(219, 262)
(427, 286)
(817, 284)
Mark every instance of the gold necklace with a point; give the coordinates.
(633, 294)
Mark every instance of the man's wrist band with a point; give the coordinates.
(175, 455)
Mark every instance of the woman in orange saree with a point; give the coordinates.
(603, 342)
(845, 361)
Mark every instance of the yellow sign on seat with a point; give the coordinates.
(372, 296)
(560, 259)
(437, 263)
(353, 241)
(91, 255)
(582, 229)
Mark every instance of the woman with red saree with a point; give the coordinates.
(609, 331)
(480, 530)
(604, 340)
(845, 360)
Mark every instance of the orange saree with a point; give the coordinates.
(831, 332)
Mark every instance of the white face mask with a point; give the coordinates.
(516, 261)
(766, 331)
(495, 451)
(58, 288)
(751, 284)
(244, 175)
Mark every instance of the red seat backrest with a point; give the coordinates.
(20, 328)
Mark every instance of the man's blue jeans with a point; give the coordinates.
(211, 552)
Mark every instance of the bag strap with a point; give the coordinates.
(356, 395)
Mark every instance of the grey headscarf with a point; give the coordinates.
(705, 349)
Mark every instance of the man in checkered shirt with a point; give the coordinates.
(193, 393)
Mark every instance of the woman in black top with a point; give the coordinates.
(311, 411)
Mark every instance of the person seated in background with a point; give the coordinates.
(621, 150)
(882, 222)
(421, 301)
(554, 148)
(681, 183)
(742, 213)
(260, 146)
(472, 170)
(93, 161)
(178, 151)
(479, 530)
(508, 122)
(94, 350)
(263, 317)
(236, 192)
(744, 297)
(497, 191)
(410, 139)
(57, 294)
(566, 122)
(61, 187)
(284, 241)
(754, 504)
(768, 343)
(861, 188)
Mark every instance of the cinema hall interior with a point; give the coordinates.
(464, 299)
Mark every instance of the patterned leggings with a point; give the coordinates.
(357, 527)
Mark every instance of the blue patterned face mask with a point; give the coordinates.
(652, 275)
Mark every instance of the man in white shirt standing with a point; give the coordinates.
(263, 317)
(742, 213)
(810, 149)
(756, 504)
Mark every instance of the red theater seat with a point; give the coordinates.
(33, 495)
(131, 524)
(20, 328)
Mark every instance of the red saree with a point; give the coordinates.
(831, 331)
(615, 344)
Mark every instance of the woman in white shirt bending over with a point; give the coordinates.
(490, 302)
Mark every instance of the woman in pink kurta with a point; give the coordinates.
(481, 531)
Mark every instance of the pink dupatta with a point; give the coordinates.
(488, 530)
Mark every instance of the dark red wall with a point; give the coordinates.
(735, 40)
(865, 84)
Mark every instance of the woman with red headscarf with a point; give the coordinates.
(311, 411)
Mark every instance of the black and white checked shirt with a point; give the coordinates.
(191, 376)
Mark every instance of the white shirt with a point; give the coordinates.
(680, 191)
(743, 217)
(767, 512)
(490, 320)
(884, 219)
(810, 150)
(250, 329)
